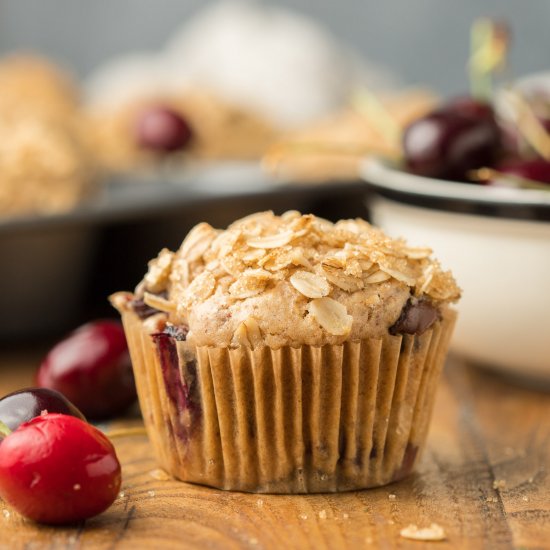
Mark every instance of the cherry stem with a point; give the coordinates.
(507, 180)
(489, 42)
(527, 123)
(4, 430)
(369, 105)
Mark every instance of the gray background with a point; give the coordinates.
(424, 41)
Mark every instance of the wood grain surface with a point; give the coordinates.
(483, 478)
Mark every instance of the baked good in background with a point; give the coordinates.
(45, 163)
(288, 354)
(269, 87)
(333, 148)
(265, 79)
(219, 131)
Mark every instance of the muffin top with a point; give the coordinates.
(45, 164)
(220, 130)
(291, 280)
(32, 83)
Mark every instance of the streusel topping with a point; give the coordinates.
(45, 164)
(290, 280)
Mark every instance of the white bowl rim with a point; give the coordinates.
(382, 175)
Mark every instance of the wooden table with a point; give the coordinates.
(483, 478)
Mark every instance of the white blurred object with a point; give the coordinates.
(535, 82)
(262, 57)
(265, 57)
(127, 77)
(525, 86)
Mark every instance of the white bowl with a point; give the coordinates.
(496, 241)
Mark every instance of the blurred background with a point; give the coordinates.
(405, 36)
(123, 124)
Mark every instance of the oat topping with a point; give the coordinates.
(156, 279)
(349, 254)
(45, 161)
(333, 276)
(309, 284)
(44, 165)
(248, 333)
(158, 302)
(378, 276)
(331, 315)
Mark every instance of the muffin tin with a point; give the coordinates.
(59, 269)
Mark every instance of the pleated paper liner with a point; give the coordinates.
(289, 420)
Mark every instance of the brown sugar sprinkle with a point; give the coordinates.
(318, 258)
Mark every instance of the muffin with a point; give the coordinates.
(333, 148)
(45, 164)
(29, 82)
(289, 354)
(221, 131)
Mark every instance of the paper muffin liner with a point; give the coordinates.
(288, 420)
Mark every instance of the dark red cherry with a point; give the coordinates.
(447, 144)
(536, 169)
(545, 123)
(58, 469)
(162, 129)
(21, 406)
(92, 368)
(468, 106)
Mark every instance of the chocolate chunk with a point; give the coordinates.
(416, 317)
(141, 309)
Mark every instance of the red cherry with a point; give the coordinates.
(162, 129)
(447, 144)
(468, 106)
(536, 169)
(546, 124)
(58, 469)
(92, 368)
(23, 405)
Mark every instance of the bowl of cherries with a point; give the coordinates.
(474, 183)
